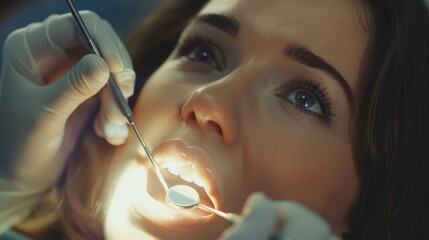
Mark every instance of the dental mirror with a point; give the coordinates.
(184, 196)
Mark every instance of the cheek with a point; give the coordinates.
(159, 104)
(165, 91)
(158, 92)
(314, 170)
(287, 165)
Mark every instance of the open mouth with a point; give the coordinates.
(180, 165)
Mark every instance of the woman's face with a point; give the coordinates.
(257, 96)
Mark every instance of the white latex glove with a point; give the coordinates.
(286, 220)
(43, 107)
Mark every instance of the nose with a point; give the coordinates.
(210, 109)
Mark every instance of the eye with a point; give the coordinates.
(309, 98)
(203, 55)
(201, 49)
(306, 101)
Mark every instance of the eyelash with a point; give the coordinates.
(197, 41)
(316, 91)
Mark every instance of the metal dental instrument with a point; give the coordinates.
(184, 196)
(117, 94)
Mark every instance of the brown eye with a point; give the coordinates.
(203, 55)
(202, 50)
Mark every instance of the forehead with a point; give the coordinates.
(333, 29)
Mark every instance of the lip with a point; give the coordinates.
(178, 152)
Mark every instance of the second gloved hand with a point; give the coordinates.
(267, 219)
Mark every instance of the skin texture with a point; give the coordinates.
(244, 116)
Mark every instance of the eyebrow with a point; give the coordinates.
(227, 24)
(304, 56)
(295, 51)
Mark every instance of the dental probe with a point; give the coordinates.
(117, 94)
(184, 196)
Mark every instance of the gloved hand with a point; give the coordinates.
(285, 220)
(46, 88)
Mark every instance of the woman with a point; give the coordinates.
(317, 104)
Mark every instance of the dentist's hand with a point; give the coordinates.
(285, 220)
(46, 96)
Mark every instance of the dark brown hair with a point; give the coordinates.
(391, 133)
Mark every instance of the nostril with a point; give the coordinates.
(194, 120)
(215, 126)
(190, 117)
(193, 117)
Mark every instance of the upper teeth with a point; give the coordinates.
(184, 171)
